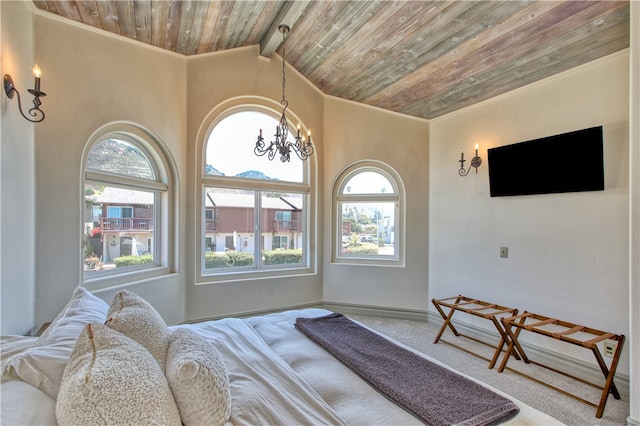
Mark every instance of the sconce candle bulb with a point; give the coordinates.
(37, 72)
(10, 90)
(475, 163)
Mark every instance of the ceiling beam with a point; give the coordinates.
(289, 14)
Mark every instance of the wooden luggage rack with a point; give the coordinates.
(579, 335)
(479, 308)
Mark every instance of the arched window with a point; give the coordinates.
(255, 212)
(126, 206)
(368, 215)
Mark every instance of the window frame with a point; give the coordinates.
(307, 188)
(339, 199)
(164, 212)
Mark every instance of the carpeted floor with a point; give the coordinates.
(419, 335)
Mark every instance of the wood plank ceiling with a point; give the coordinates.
(421, 58)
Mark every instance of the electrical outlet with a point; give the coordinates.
(609, 348)
(504, 252)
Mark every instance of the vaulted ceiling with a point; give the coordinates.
(421, 58)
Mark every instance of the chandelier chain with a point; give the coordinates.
(281, 145)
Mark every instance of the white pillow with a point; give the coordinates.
(42, 365)
(22, 404)
(134, 317)
(198, 379)
(111, 379)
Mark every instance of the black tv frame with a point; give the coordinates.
(567, 162)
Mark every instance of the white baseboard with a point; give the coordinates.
(572, 366)
(556, 360)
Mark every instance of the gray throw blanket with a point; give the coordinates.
(432, 393)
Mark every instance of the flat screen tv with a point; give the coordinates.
(569, 162)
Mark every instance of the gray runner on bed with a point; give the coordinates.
(432, 393)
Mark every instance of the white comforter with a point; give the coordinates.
(353, 399)
(277, 375)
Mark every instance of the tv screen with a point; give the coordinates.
(569, 162)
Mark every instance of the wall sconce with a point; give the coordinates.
(10, 89)
(475, 162)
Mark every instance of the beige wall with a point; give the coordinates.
(216, 83)
(355, 132)
(568, 253)
(17, 176)
(92, 80)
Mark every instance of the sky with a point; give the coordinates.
(231, 145)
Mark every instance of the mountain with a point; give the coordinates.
(253, 174)
(210, 170)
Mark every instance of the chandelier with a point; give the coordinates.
(281, 145)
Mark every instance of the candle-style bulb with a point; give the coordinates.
(37, 72)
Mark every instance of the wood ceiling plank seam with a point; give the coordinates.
(236, 17)
(187, 13)
(47, 6)
(367, 37)
(357, 35)
(142, 13)
(109, 16)
(89, 13)
(488, 93)
(545, 26)
(172, 25)
(224, 21)
(289, 14)
(207, 40)
(458, 57)
(552, 57)
(346, 23)
(158, 22)
(554, 37)
(380, 44)
(126, 18)
(265, 20)
(197, 27)
(441, 27)
(249, 20)
(342, 28)
(68, 9)
(473, 24)
(311, 26)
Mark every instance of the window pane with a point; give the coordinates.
(229, 228)
(368, 228)
(230, 149)
(368, 183)
(119, 234)
(282, 228)
(120, 157)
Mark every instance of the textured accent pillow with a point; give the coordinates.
(42, 364)
(111, 379)
(198, 379)
(134, 317)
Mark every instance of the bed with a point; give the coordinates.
(103, 364)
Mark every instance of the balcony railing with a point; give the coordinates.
(212, 225)
(286, 225)
(126, 224)
(215, 225)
